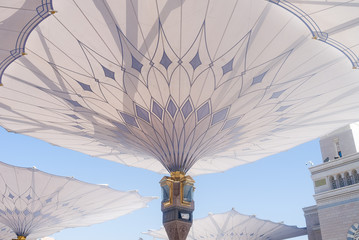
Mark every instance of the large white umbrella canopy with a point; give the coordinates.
(36, 204)
(193, 86)
(232, 225)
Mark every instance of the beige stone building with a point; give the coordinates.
(336, 186)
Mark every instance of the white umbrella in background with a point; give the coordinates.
(232, 225)
(36, 204)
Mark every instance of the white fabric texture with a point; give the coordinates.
(233, 225)
(6, 233)
(36, 204)
(17, 20)
(193, 86)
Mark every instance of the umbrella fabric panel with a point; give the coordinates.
(18, 19)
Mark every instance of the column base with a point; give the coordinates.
(177, 230)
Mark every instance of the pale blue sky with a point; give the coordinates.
(275, 188)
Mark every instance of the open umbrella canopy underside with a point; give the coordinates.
(192, 86)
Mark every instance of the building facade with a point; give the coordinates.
(336, 187)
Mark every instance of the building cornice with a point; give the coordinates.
(335, 164)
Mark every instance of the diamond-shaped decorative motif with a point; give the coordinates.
(219, 116)
(17, 212)
(203, 111)
(171, 108)
(85, 86)
(28, 197)
(26, 212)
(129, 119)
(228, 67)
(187, 108)
(277, 94)
(108, 73)
(11, 196)
(165, 60)
(157, 109)
(259, 78)
(136, 64)
(142, 113)
(37, 213)
(196, 61)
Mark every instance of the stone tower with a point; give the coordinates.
(336, 187)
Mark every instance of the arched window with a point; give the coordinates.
(332, 182)
(340, 180)
(348, 179)
(355, 176)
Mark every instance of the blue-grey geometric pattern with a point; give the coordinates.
(136, 64)
(203, 111)
(187, 108)
(196, 61)
(172, 108)
(142, 113)
(129, 119)
(219, 116)
(85, 87)
(157, 110)
(165, 61)
(228, 67)
(108, 73)
(259, 78)
(277, 94)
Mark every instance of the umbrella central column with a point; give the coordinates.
(177, 205)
